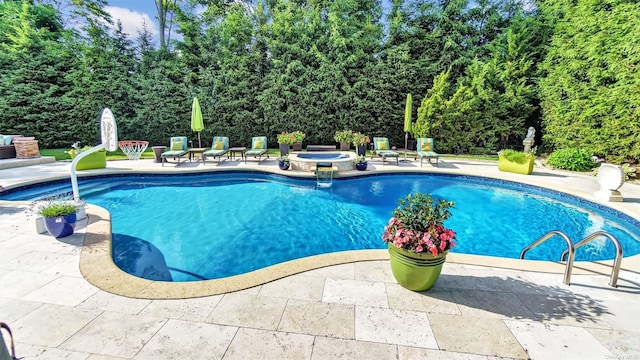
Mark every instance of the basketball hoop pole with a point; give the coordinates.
(74, 177)
(109, 137)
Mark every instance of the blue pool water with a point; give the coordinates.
(207, 226)
(323, 156)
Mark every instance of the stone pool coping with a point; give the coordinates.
(97, 266)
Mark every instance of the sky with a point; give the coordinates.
(133, 13)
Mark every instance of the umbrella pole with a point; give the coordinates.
(199, 144)
(406, 140)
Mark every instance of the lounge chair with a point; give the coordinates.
(219, 147)
(425, 150)
(258, 148)
(177, 149)
(381, 148)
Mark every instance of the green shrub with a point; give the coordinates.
(571, 159)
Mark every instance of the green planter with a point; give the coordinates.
(96, 160)
(525, 168)
(417, 272)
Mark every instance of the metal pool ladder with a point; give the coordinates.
(571, 252)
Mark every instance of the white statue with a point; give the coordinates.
(531, 134)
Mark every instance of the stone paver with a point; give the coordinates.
(347, 311)
(559, 342)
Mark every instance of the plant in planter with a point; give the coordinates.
(283, 162)
(96, 160)
(298, 138)
(285, 140)
(59, 217)
(361, 163)
(418, 241)
(516, 161)
(360, 141)
(344, 137)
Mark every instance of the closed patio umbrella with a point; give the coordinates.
(407, 120)
(197, 124)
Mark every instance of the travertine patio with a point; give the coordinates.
(480, 308)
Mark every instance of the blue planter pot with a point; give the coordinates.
(361, 166)
(60, 226)
(283, 165)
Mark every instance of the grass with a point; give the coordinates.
(61, 154)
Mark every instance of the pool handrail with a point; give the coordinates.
(617, 262)
(571, 250)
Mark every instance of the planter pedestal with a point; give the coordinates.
(284, 149)
(417, 272)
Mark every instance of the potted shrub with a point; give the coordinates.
(59, 217)
(360, 141)
(283, 162)
(344, 137)
(361, 163)
(285, 140)
(417, 240)
(516, 161)
(298, 138)
(96, 160)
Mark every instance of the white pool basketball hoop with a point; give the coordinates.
(108, 130)
(109, 137)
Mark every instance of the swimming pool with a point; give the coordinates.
(215, 225)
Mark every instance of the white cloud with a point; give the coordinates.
(132, 20)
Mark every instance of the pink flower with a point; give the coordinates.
(419, 249)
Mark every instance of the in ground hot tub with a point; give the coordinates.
(307, 161)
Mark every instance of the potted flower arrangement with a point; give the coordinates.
(283, 162)
(96, 160)
(285, 140)
(516, 161)
(361, 163)
(298, 137)
(344, 137)
(360, 141)
(417, 240)
(59, 217)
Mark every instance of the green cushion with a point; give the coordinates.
(426, 146)
(218, 145)
(382, 145)
(176, 145)
(258, 144)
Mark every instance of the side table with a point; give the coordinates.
(157, 151)
(238, 149)
(194, 151)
